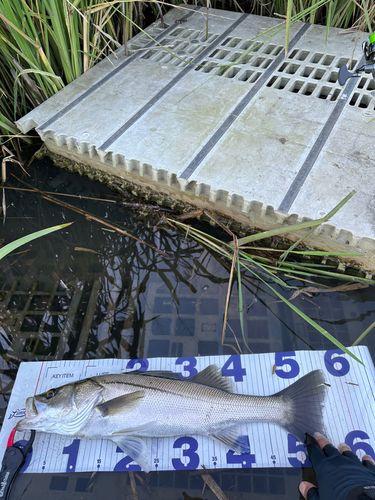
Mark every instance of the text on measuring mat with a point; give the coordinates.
(63, 375)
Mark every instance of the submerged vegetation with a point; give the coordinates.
(46, 44)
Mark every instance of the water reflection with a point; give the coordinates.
(88, 292)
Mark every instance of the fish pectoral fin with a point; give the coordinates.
(135, 447)
(230, 437)
(121, 404)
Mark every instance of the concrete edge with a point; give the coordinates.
(159, 185)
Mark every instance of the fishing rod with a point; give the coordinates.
(369, 53)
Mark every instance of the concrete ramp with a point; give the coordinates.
(230, 124)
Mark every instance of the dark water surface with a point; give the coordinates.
(88, 292)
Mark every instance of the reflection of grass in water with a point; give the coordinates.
(246, 258)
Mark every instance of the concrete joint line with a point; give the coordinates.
(194, 164)
(169, 86)
(316, 149)
(110, 75)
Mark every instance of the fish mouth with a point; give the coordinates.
(31, 414)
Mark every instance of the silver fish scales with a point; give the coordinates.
(126, 407)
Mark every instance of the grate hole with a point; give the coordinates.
(319, 73)
(324, 92)
(257, 46)
(335, 94)
(31, 323)
(365, 101)
(232, 72)
(282, 67)
(281, 83)
(148, 54)
(187, 34)
(167, 58)
(246, 45)
(333, 77)
(207, 66)
(307, 71)
(271, 81)
(371, 85)
(277, 51)
(255, 77)
(258, 61)
(328, 60)
(308, 89)
(299, 54)
(240, 58)
(245, 76)
(221, 70)
(269, 48)
(316, 58)
(232, 42)
(29, 345)
(222, 54)
(267, 63)
(362, 83)
(354, 98)
(343, 61)
(177, 32)
(291, 69)
(211, 38)
(296, 87)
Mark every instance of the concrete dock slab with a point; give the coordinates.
(227, 122)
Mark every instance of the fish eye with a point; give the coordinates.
(50, 393)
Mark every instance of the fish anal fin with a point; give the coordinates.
(230, 437)
(121, 404)
(135, 447)
(212, 377)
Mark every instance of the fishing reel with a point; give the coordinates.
(369, 53)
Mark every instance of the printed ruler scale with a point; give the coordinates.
(349, 413)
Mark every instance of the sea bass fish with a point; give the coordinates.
(126, 407)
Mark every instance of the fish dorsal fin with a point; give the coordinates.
(135, 447)
(230, 437)
(212, 377)
(121, 404)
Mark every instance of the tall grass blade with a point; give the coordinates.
(361, 337)
(29, 237)
(280, 230)
(328, 217)
(289, 9)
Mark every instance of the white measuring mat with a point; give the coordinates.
(348, 413)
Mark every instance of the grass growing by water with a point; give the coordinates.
(45, 44)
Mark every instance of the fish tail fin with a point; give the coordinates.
(304, 402)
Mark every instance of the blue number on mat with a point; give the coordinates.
(330, 361)
(72, 452)
(22, 443)
(349, 440)
(189, 452)
(237, 371)
(293, 447)
(283, 358)
(142, 362)
(245, 459)
(191, 363)
(123, 464)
